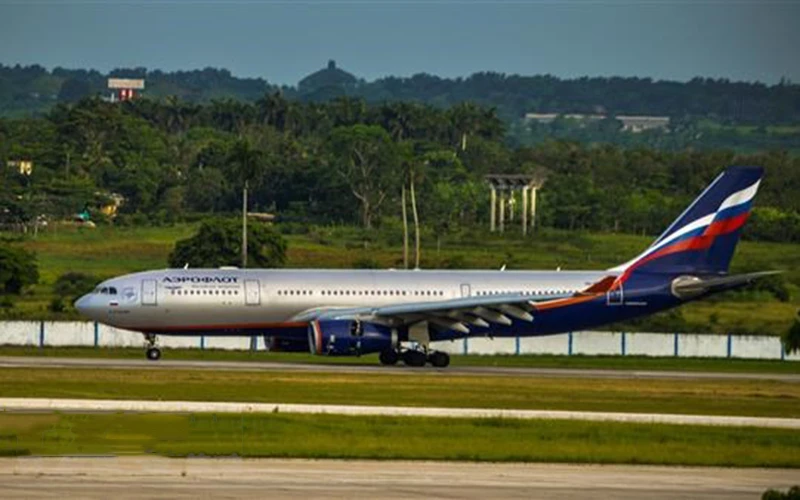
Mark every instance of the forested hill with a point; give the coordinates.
(348, 161)
(33, 89)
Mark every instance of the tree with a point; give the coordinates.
(74, 89)
(365, 157)
(791, 339)
(72, 285)
(69, 287)
(17, 270)
(218, 242)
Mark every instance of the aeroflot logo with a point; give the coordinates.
(201, 279)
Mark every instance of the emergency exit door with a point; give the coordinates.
(252, 293)
(149, 293)
(615, 296)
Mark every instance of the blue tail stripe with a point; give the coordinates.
(734, 211)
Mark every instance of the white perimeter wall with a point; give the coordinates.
(78, 333)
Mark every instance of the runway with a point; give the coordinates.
(140, 406)
(155, 477)
(262, 366)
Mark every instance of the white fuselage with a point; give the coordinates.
(178, 299)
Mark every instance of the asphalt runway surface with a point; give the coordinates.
(258, 366)
(191, 478)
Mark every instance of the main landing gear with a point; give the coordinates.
(415, 357)
(153, 353)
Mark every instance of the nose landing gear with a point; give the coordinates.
(153, 353)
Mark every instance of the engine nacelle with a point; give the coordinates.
(349, 337)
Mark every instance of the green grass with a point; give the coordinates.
(109, 251)
(767, 398)
(330, 436)
(722, 365)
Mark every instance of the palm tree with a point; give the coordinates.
(412, 174)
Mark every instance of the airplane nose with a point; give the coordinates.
(83, 306)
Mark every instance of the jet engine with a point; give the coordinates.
(350, 337)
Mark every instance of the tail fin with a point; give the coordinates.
(702, 239)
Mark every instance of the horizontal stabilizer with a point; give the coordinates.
(686, 287)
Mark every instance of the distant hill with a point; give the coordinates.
(27, 90)
(31, 90)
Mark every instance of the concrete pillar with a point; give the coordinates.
(524, 210)
(502, 220)
(511, 202)
(492, 210)
(533, 207)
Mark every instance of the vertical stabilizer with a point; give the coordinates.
(703, 238)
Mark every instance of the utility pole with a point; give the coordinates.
(244, 225)
(492, 212)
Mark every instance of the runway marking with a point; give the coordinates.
(267, 365)
(191, 478)
(139, 406)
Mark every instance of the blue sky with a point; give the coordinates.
(282, 41)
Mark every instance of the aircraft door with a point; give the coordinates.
(149, 293)
(615, 296)
(252, 293)
(465, 290)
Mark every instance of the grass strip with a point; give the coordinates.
(722, 365)
(329, 436)
(761, 398)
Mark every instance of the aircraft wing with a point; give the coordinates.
(456, 314)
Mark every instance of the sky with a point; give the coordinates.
(282, 41)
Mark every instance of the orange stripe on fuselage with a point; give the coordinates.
(543, 306)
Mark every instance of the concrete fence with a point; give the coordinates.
(88, 334)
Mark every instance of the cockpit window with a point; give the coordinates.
(104, 290)
(112, 291)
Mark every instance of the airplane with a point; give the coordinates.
(397, 314)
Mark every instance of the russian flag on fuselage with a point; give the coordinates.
(702, 239)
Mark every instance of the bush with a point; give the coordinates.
(792, 494)
(17, 270)
(218, 242)
(455, 262)
(366, 263)
(57, 305)
(72, 285)
(791, 339)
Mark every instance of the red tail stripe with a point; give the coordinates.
(702, 242)
(725, 226)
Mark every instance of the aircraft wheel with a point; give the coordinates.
(414, 358)
(439, 359)
(154, 354)
(389, 357)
